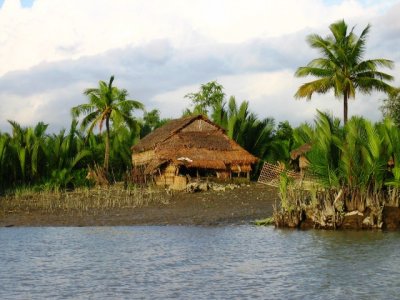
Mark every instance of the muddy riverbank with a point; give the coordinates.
(237, 206)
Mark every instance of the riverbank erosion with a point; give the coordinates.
(337, 209)
(115, 206)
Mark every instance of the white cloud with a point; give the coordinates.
(56, 29)
(160, 50)
(271, 94)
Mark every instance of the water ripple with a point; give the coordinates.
(197, 263)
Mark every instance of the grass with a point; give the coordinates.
(82, 200)
(265, 222)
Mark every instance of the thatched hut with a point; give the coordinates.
(189, 147)
(300, 154)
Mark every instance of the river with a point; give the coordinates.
(226, 262)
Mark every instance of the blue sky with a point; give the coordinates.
(24, 3)
(161, 50)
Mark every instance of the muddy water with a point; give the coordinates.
(197, 263)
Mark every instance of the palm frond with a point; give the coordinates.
(320, 86)
(367, 85)
(317, 72)
(82, 109)
(129, 105)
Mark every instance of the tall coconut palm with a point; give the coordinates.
(341, 67)
(106, 103)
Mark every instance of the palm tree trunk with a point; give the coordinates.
(107, 150)
(345, 107)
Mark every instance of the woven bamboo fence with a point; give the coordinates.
(270, 175)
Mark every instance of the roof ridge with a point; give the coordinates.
(181, 123)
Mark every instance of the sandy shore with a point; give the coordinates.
(239, 206)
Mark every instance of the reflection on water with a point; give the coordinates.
(197, 263)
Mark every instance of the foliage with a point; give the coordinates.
(391, 107)
(210, 96)
(341, 68)
(151, 121)
(265, 222)
(107, 104)
(29, 156)
(258, 136)
(361, 158)
(284, 131)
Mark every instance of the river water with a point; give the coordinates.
(227, 262)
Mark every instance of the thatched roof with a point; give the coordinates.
(181, 143)
(303, 149)
(161, 134)
(214, 140)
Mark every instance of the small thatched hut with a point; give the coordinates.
(299, 153)
(188, 147)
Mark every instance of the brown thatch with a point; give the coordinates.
(193, 142)
(212, 140)
(163, 133)
(153, 165)
(227, 156)
(303, 149)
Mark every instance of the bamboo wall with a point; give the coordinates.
(171, 179)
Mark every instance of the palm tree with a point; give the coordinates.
(106, 103)
(324, 155)
(29, 147)
(253, 134)
(66, 152)
(341, 67)
(4, 148)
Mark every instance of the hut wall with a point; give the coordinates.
(223, 175)
(199, 125)
(174, 182)
(303, 162)
(164, 180)
(167, 176)
(142, 157)
(171, 179)
(180, 183)
(171, 170)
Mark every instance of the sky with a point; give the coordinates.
(51, 50)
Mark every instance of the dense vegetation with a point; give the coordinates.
(355, 167)
(350, 168)
(352, 158)
(361, 157)
(258, 136)
(341, 68)
(32, 157)
(391, 107)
